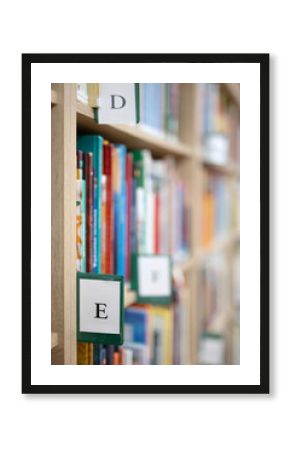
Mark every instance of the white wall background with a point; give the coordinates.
(74, 422)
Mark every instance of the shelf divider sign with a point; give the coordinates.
(118, 104)
(100, 308)
(152, 279)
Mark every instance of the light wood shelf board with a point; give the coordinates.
(220, 323)
(132, 136)
(130, 297)
(229, 169)
(185, 265)
(217, 246)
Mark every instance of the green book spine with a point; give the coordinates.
(139, 175)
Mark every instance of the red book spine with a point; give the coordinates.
(89, 177)
(157, 223)
(129, 186)
(109, 258)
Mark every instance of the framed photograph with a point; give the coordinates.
(164, 156)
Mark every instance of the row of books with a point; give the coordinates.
(159, 334)
(152, 335)
(159, 105)
(127, 203)
(219, 207)
(220, 125)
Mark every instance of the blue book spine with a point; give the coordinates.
(133, 235)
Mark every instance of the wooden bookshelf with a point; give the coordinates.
(132, 136)
(70, 116)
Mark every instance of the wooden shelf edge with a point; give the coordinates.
(220, 323)
(184, 265)
(54, 99)
(54, 340)
(130, 297)
(228, 169)
(132, 136)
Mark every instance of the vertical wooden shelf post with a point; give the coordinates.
(190, 135)
(63, 212)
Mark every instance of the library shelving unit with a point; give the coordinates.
(68, 116)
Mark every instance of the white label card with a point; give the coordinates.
(99, 306)
(117, 103)
(154, 276)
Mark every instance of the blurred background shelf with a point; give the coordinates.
(233, 89)
(185, 265)
(228, 169)
(219, 245)
(220, 323)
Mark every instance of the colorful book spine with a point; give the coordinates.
(89, 177)
(128, 217)
(79, 243)
(81, 214)
(108, 219)
(105, 247)
(83, 353)
(94, 144)
(139, 175)
(120, 209)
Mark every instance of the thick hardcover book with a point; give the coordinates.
(110, 349)
(79, 225)
(94, 144)
(89, 210)
(81, 213)
(108, 228)
(82, 353)
(162, 335)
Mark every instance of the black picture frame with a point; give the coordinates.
(255, 58)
